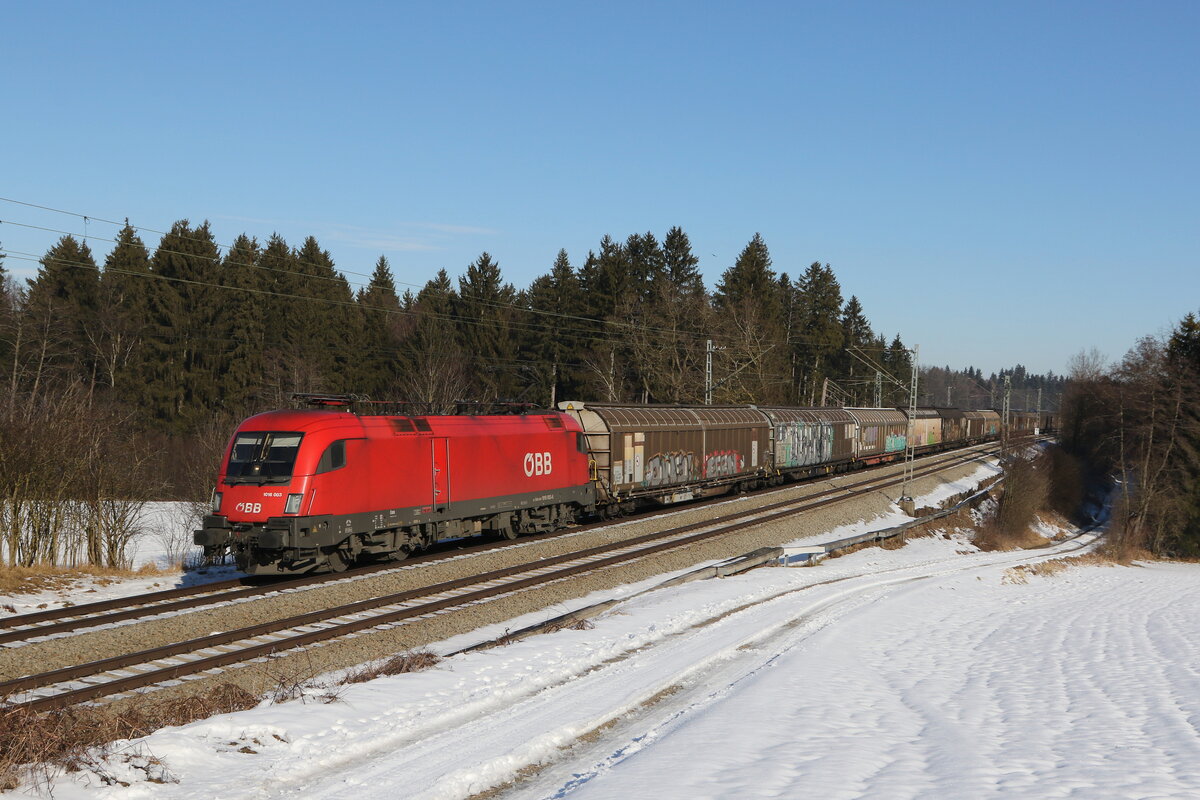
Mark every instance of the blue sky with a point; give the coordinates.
(1000, 182)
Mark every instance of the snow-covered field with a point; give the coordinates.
(927, 671)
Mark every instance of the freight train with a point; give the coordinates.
(317, 490)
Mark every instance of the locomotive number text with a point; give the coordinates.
(249, 508)
(537, 464)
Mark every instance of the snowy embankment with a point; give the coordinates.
(919, 672)
(163, 541)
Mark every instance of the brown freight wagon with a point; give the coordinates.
(806, 441)
(982, 425)
(671, 453)
(1022, 424)
(927, 428)
(954, 425)
(882, 432)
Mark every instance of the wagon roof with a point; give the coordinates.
(922, 413)
(878, 415)
(649, 417)
(818, 414)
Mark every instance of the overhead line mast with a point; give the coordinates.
(910, 449)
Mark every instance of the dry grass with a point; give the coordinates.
(1055, 566)
(34, 746)
(1026, 488)
(414, 661)
(27, 580)
(578, 625)
(991, 537)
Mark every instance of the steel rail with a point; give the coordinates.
(590, 559)
(53, 622)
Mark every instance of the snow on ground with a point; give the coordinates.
(922, 672)
(164, 541)
(964, 484)
(166, 536)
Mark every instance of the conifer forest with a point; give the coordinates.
(123, 379)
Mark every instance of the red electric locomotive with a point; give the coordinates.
(316, 490)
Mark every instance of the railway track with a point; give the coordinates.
(117, 677)
(59, 622)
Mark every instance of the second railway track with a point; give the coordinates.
(117, 676)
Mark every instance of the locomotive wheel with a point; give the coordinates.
(508, 531)
(338, 559)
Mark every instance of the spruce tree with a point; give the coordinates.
(125, 295)
(244, 384)
(818, 327)
(380, 328)
(282, 310)
(553, 342)
(323, 334)
(899, 364)
(1183, 378)
(751, 279)
(434, 372)
(186, 345)
(646, 263)
(62, 310)
(606, 279)
(856, 335)
(680, 263)
(749, 309)
(484, 312)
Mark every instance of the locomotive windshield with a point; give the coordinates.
(263, 457)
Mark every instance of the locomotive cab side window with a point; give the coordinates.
(581, 443)
(333, 458)
(263, 457)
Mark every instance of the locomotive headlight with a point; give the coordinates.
(293, 504)
(216, 502)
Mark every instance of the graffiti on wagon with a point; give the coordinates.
(722, 463)
(665, 469)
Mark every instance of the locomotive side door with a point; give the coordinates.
(441, 473)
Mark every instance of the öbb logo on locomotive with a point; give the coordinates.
(537, 464)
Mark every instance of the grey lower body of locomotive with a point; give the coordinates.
(291, 545)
